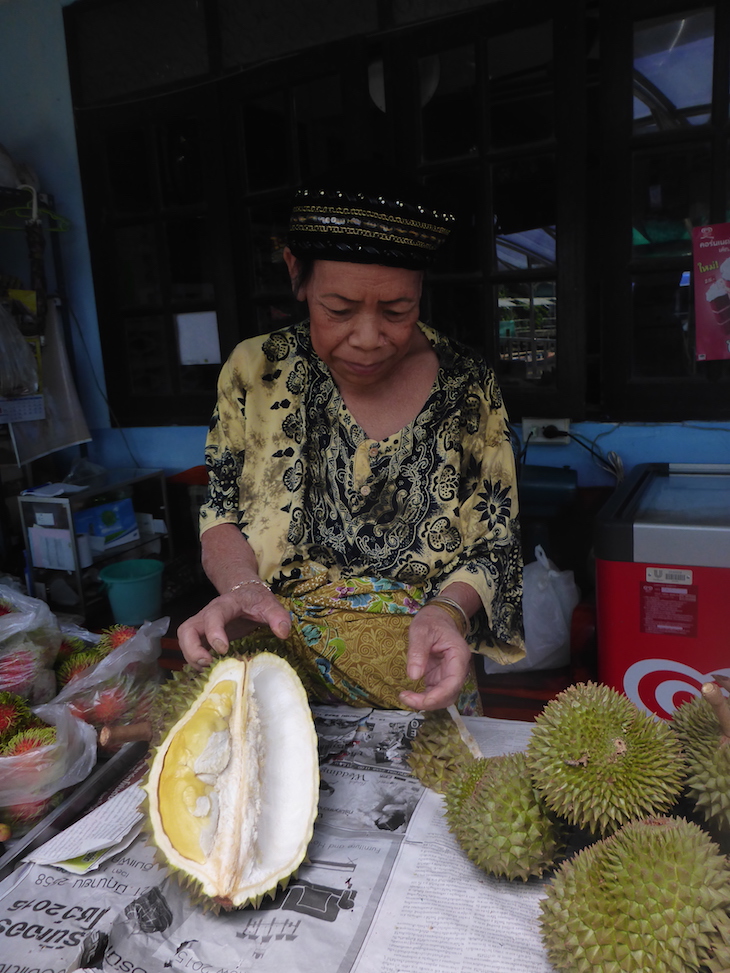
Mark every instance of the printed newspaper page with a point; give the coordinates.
(385, 888)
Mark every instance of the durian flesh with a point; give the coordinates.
(233, 787)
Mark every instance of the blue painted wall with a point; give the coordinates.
(36, 125)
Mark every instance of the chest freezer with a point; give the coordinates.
(662, 548)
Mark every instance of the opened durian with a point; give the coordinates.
(499, 819)
(599, 761)
(708, 757)
(441, 748)
(654, 896)
(232, 787)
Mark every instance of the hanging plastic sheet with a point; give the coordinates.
(64, 424)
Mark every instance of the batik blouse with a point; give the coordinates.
(433, 504)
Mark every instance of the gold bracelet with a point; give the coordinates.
(242, 584)
(454, 610)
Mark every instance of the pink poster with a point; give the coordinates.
(711, 262)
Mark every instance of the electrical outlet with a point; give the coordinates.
(533, 432)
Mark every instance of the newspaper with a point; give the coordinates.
(386, 889)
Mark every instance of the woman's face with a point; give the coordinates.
(362, 317)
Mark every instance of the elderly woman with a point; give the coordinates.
(362, 502)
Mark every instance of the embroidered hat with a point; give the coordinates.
(370, 215)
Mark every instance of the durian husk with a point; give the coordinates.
(499, 819)
(438, 750)
(233, 783)
(708, 759)
(654, 896)
(600, 762)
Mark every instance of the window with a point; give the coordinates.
(577, 141)
(665, 151)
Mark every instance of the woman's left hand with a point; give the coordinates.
(438, 654)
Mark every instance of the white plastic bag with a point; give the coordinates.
(30, 779)
(29, 640)
(548, 601)
(119, 688)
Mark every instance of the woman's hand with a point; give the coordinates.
(229, 616)
(438, 654)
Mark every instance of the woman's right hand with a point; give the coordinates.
(229, 616)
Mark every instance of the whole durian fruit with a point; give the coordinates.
(232, 787)
(654, 896)
(599, 761)
(708, 759)
(499, 819)
(439, 750)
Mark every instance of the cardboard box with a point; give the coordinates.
(109, 524)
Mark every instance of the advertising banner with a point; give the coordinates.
(711, 269)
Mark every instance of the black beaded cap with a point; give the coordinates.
(368, 215)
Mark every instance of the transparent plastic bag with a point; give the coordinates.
(18, 369)
(548, 601)
(29, 640)
(28, 781)
(119, 689)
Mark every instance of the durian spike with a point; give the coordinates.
(714, 696)
(115, 736)
(470, 742)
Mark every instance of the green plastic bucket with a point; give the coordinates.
(134, 589)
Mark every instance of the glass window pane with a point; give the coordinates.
(137, 265)
(197, 379)
(190, 255)
(449, 115)
(673, 71)
(663, 344)
(671, 190)
(181, 170)
(461, 193)
(521, 86)
(269, 227)
(524, 213)
(266, 139)
(321, 126)
(147, 357)
(456, 310)
(527, 332)
(128, 166)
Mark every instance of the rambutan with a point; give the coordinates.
(15, 715)
(27, 741)
(75, 666)
(70, 644)
(19, 666)
(112, 638)
(108, 706)
(21, 817)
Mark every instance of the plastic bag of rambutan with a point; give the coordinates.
(29, 641)
(49, 752)
(114, 681)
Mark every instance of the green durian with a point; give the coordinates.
(233, 784)
(708, 760)
(499, 819)
(439, 750)
(654, 896)
(599, 761)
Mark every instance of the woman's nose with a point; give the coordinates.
(365, 333)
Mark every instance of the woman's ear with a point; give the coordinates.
(295, 270)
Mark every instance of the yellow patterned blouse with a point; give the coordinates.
(432, 504)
